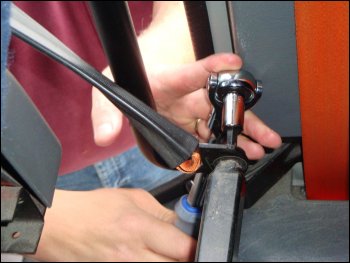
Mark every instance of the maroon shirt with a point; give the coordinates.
(63, 98)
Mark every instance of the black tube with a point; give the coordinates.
(116, 31)
(198, 22)
(117, 34)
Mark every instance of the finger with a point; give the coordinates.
(203, 131)
(107, 120)
(167, 240)
(200, 105)
(221, 61)
(150, 256)
(214, 63)
(254, 151)
(260, 132)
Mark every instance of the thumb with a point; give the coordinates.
(191, 77)
(215, 63)
(107, 120)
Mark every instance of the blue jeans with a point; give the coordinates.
(127, 170)
(5, 40)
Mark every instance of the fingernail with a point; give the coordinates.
(105, 128)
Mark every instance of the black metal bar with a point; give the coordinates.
(22, 220)
(173, 189)
(220, 228)
(118, 38)
(198, 22)
(117, 34)
(265, 173)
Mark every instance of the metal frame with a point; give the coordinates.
(27, 180)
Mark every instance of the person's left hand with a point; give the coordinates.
(180, 96)
(111, 225)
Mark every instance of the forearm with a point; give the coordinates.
(167, 40)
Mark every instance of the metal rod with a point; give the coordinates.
(117, 34)
(118, 38)
(198, 23)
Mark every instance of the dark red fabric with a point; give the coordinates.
(63, 98)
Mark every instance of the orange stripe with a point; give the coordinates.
(323, 62)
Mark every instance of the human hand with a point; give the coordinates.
(179, 95)
(111, 225)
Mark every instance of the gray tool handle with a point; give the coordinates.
(188, 217)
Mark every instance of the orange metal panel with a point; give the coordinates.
(322, 30)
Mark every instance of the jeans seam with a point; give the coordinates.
(105, 171)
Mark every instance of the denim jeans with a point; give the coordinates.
(128, 170)
(5, 40)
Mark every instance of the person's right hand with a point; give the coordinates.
(111, 225)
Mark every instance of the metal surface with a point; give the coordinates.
(233, 111)
(195, 192)
(30, 155)
(283, 228)
(219, 26)
(9, 199)
(222, 213)
(264, 36)
(21, 220)
(323, 54)
(213, 153)
(28, 144)
(118, 37)
(198, 23)
(173, 189)
(240, 81)
(262, 175)
(231, 92)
